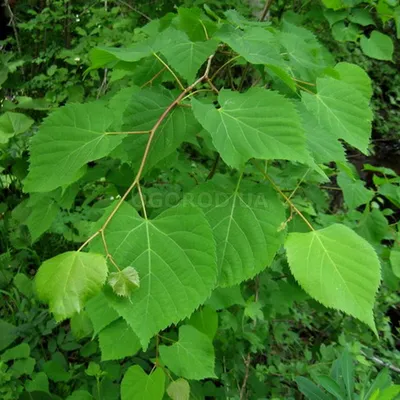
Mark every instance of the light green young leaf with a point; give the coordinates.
(342, 111)
(137, 385)
(256, 45)
(179, 390)
(333, 4)
(185, 56)
(118, 341)
(66, 281)
(124, 282)
(378, 46)
(354, 192)
(67, 140)
(338, 268)
(246, 220)
(192, 357)
(174, 255)
(12, 123)
(251, 125)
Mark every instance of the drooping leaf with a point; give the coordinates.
(251, 125)
(373, 226)
(361, 16)
(192, 357)
(12, 123)
(338, 268)
(347, 368)
(117, 341)
(342, 111)
(66, 281)
(378, 46)
(137, 385)
(331, 386)
(174, 255)
(354, 191)
(8, 333)
(245, 219)
(68, 139)
(185, 56)
(124, 282)
(179, 390)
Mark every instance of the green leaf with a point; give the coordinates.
(20, 351)
(395, 261)
(337, 268)
(142, 112)
(347, 368)
(378, 46)
(23, 367)
(68, 280)
(179, 390)
(195, 24)
(81, 325)
(354, 192)
(342, 111)
(124, 282)
(373, 226)
(8, 333)
(335, 16)
(205, 321)
(334, 4)
(39, 382)
(137, 385)
(323, 147)
(174, 255)
(331, 386)
(118, 341)
(311, 390)
(353, 75)
(185, 56)
(67, 140)
(246, 219)
(100, 312)
(251, 125)
(345, 32)
(42, 216)
(12, 123)
(256, 45)
(361, 16)
(80, 395)
(223, 298)
(192, 357)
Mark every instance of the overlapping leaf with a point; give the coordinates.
(338, 268)
(342, 111)
(66, 281)
(252, 125)
(174, 255)
(192, 356)
(137, 385)
(12, 123)
(67, 140)
(245, 219)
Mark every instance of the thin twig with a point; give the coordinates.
(214, 167)
(378, 361)
(265, 10)
(14, 26)
(170, 70)
(135, 10)
(247, 362)
(276, 187)
(146, 153)
(103, 86)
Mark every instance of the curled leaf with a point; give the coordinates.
(124, 282)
